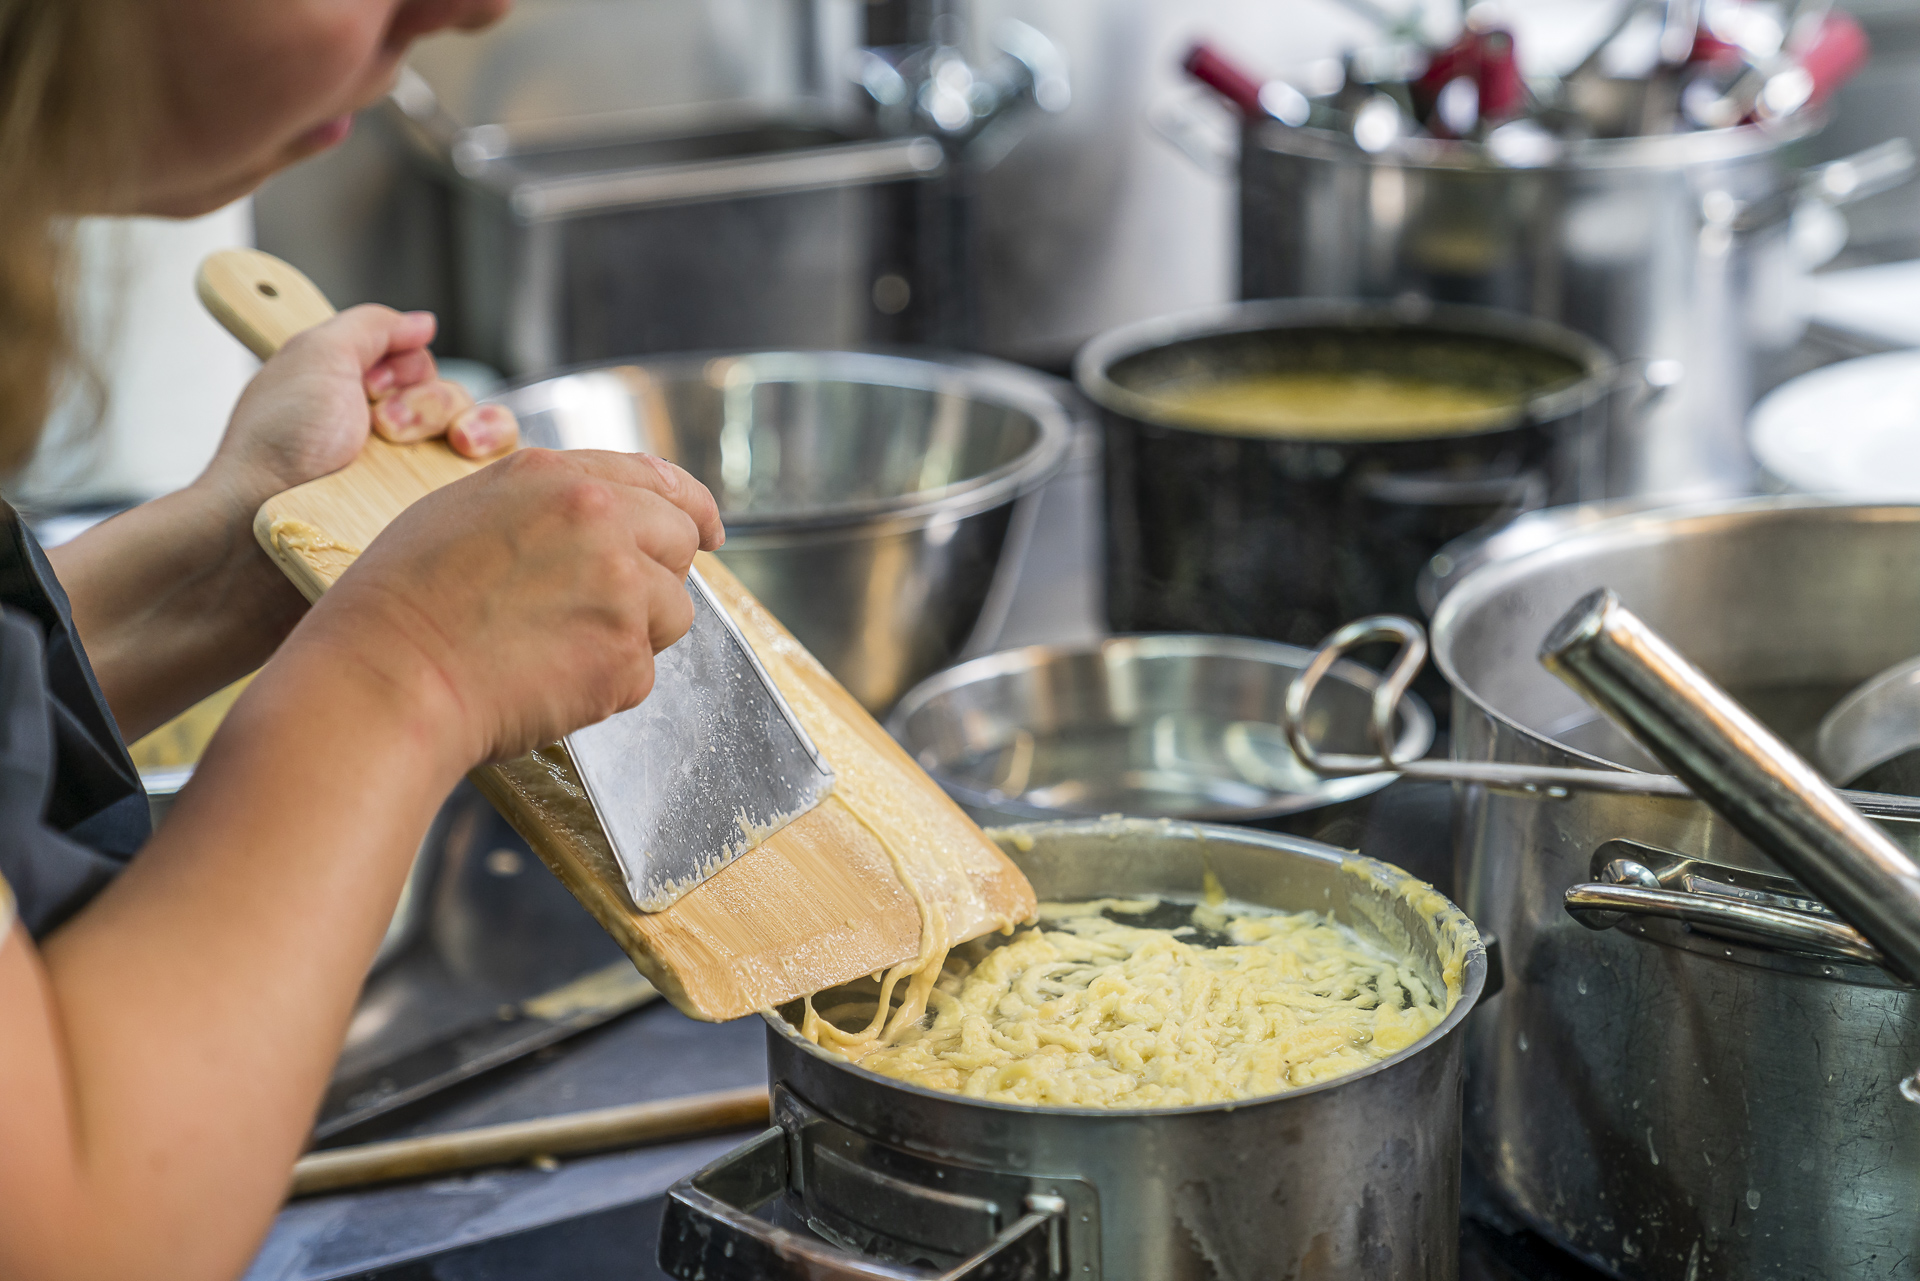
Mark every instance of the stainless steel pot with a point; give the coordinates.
(877, 504)
(1676, 248)
(1355, 1178)
(1169, 726)
(1714, 1099)
(1288, 538)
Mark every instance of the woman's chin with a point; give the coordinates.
(323, 137)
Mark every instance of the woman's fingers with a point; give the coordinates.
(420, 412)
(657, 475)
(401, 369)
(483, 431)
(373, 334)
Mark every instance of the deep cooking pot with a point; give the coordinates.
(1672, 1100)
(1287, 538)
(1677, 248)
(1354, 1178)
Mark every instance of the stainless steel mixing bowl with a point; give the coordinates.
(877, 504)
(1171, 726)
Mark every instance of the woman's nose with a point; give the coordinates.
(482, 13)
(416, 18)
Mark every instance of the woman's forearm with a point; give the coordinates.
(218, 973)
(173, 600)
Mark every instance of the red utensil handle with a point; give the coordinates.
(1225, 78)
(1836, 54)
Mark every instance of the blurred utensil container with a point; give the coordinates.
(1681, 248)
(682, 230)
(1289, 537)
(878, 505)
(1167, 726)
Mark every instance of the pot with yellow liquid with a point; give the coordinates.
(1277, 468)
(1351, 1170)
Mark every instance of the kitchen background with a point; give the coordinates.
(1053, 220)
(597, 179)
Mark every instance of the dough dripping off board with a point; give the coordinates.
(816, 904)
(820, 902)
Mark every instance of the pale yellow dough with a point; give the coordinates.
(1086, 1011)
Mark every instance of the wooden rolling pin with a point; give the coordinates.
(574, 1134)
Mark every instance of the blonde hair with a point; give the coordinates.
(69, 74)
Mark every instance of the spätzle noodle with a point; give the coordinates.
(1097, 1006)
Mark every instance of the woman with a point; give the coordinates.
(168, 1021)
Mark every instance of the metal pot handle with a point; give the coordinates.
(1878, 168)
(1601, 906)
(709, 1231)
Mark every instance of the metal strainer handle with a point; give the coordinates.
(1393, 685)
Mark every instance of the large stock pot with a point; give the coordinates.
(1703, 1100)
(1354, 1178)
(1286, 537)
(1688, 251)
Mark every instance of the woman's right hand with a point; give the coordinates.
(528, 599)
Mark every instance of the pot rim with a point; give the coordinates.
(1047, 401)
(1647, 152)
(1414, 742)
(1487, 581)
(1091, 368)
(1472, 984)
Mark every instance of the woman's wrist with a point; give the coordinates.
(175, 599)
(344, 657)
(251, 601)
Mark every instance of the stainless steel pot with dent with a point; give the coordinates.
(1675, 248)
(1671, 1099)
(1354, 1178)
(879, 505)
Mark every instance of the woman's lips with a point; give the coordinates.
(331, 134)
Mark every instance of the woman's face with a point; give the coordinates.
(247, 87)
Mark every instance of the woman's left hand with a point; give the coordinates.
(309, 409)
(174, 598)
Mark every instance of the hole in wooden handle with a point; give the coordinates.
(267, 289)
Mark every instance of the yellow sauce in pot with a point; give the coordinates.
(1335, 406)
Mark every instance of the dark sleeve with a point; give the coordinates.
(52, 873)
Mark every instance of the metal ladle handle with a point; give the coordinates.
(1742, 769)
(1600, 906)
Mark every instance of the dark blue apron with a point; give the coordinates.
(72, 812)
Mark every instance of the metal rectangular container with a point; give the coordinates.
(733, 230)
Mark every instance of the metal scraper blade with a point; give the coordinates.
(709, 765)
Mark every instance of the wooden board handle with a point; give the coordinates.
(260, 300)
(264, 302)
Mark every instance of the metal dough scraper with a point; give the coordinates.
(710, 765)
